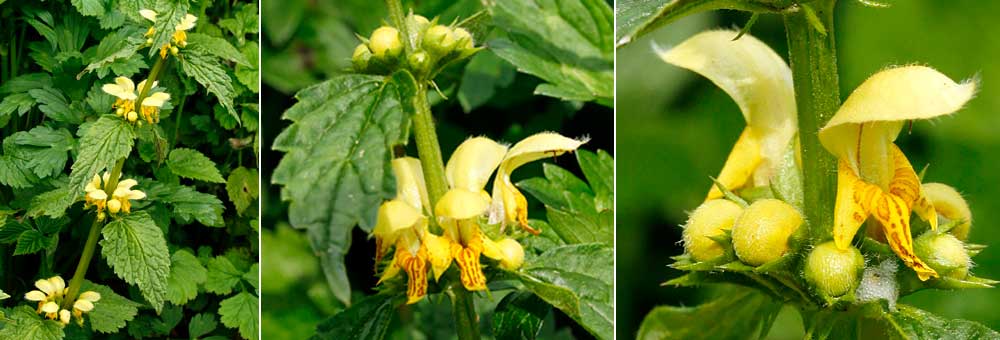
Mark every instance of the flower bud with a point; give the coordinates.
(132, 116)
(419, 22)
(513, 254)
(149, 41)
(440, 40)
(944, 253)
(834, 272)
(949, 204)
(385, 43)
(420, 63)
(710, 219)
(114, 206)
(761, 234)
(174, 50)
(463, 39)
(119, 111)
(362, 56)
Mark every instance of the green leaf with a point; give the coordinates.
(101, 145)
(519, 316)
(188, 204)
(91, 8)
(253, 276)
(26, 82)
(737, 315)
(11, 231)
(242, 188)
(282, 19)
(134, 246)
(567, 44)
(45, 149)
(205, 69)
(54, 105)
(241, 311)
(190, 163)
(32, 241)
(168, 15)
(336, 169)
(18, 102)
(25, 324)
(365, 319)
(912, 323)
(53, 203)
(186, 273)
(249, 75)
(222, 276)
(110, 313)
(577, 279)
(216, 46)
(574, 212)
(117, 48)
(483, 75)
(201, 324)
(14, 173)
(635, 18)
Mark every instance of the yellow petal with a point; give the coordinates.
(50, 307)
(64, 316)
(123, 88)
(438, 253)
(472, 163)
(91, 296)
(83, 305)
(126, 184)
(97, 195)
(396, 215)
(135, 195)
(950, 204)
(94, 184)
(894, 216)
(416, 272)
(509, 204)
(894, 96)
(462, 204)
(58, 285)
(470, 271)
(906, 185)
(35, 295)
(508, 251)
(114, 206)
(156, 99)
(186, 23)
(410, 185)
(854, 201)
(740, 165)
(754, 76)
(393, 269)
(148, 14)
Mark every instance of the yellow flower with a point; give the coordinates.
(127, 93)
(50, 295)
(401, 223)
(949, 204)
(460, 209)
(761, 84)
(873, 176)
(120, 200)
(179, 38)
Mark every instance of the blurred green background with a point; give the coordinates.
(305, 42)
(675, 129)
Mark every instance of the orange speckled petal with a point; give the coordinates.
(416, 271)
(894, 216)
(854, 201)
(468, 263)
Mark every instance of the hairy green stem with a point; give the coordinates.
(91, 245)
(813, 58)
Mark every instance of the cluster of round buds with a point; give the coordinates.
(178, 40)
(50, 295)
(435, 46)
(120, 199)
(759, 232)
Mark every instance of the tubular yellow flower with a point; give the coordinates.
(179, 37)
(120, 200)
(874, 176)
(83, 304)
(127, 93)
(761, 84)
(948, 203)
(509, 205)
(50, 295)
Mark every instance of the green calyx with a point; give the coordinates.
(944, 253)
(832, 271)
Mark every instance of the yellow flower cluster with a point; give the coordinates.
(50, 295)
(403, 222)
(127, 93)
(180, 32)
(120, 200)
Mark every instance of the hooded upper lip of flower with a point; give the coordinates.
(874, 176)
(186, 23)
(124, 89)
(761, 84)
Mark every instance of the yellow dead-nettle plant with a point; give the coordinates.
(873, 176)
(761, 84)
(179, 38)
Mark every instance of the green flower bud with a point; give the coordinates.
(710, 219)
(362, 56)
(761, 234)
(463, 39)
(385, 43)
(834, 272)
(944, 253)
(419, 22)
(439, 40)
(420, 63)
(174, 50)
